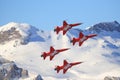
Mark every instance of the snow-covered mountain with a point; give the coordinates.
(22, 33)
(24, 44)
(105, 26)
(9, 70)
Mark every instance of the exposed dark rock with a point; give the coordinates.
(24, 73)
(21, 33)
(112, 78)
(38, 78)
(106, 26)
(9, 35)
(10, 71)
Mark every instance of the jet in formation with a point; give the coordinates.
(65, 27)
(66, 66)
(52, 52)
(82, 38)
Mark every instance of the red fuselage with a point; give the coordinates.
(82, 38)
(66, 66)
(65, 27)
(52, 52)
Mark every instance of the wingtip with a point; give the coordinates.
(50, 59)
(63, 73)
(80, 45)
(64, 33)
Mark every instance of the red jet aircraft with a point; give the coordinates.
(65, 27)
(52, 52)
(66, 66)
(82, 38)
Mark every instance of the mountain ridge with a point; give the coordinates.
(27, 33)
(106, 26)
(102, 50)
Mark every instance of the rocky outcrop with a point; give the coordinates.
(106, 26)
(19, 32)
(9, 35)
(38, 77)
(112, 78)
(10, 71)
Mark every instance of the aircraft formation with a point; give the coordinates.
(53, 52)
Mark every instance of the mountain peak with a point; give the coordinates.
(104, 49)
(14, 25)
(106, 26)
(18, 31)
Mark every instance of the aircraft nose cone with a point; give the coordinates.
(71, 41)
(54, 30)
(55, 69)
(41, 55)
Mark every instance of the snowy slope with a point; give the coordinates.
(100, 54)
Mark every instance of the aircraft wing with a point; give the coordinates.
(81, 35)
(65, 62)
(51, 57)
(52, 49)
(65, 23)
(80, 43)
(64, 32)
(64, 71)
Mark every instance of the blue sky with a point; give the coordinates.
(46, 14)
